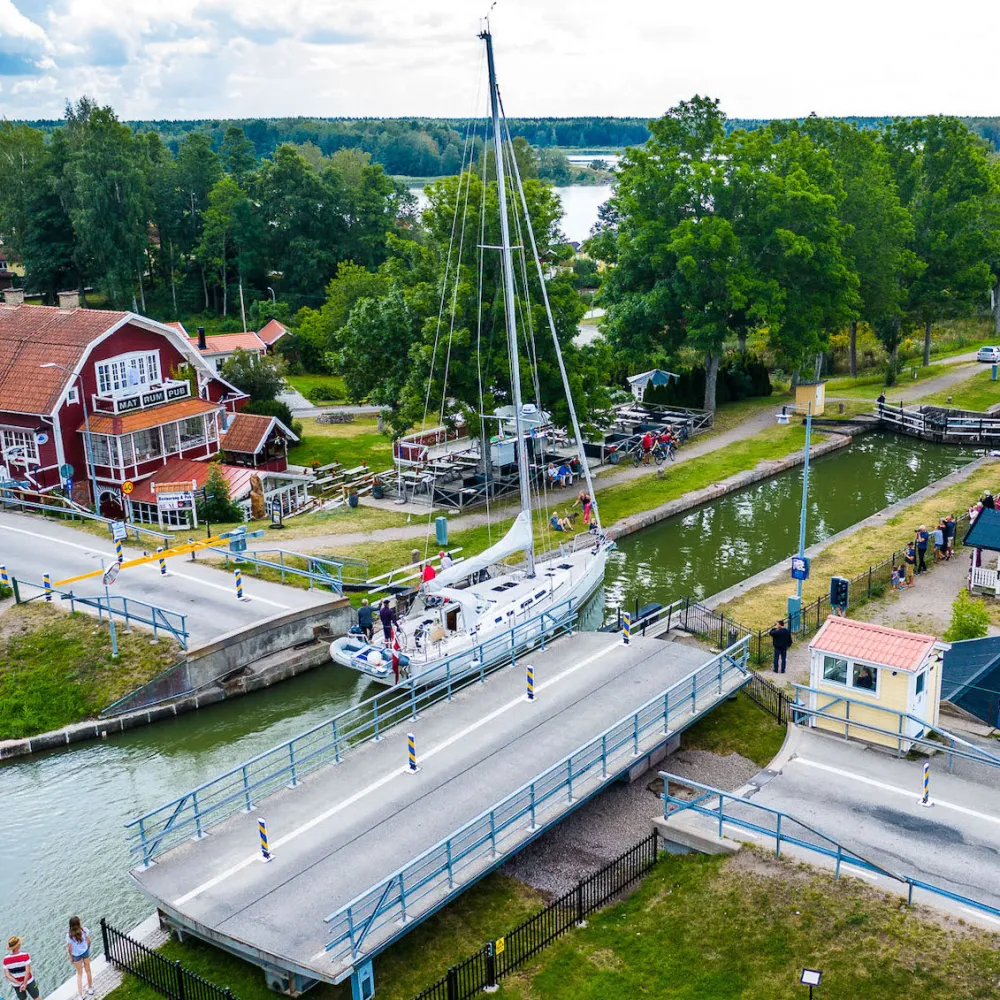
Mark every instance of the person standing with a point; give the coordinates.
(446, 561)
(910, 561)
(950, 529)
(428, 573)
(881, 402)
(387, 616)
(366, 619)
(922, 540)
(585, 503)
(988, 502)
(940, 543)
(17, 970)
(78, 949)
(781, 639)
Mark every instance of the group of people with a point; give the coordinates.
(560, 522)
(665, 440)
(559, 476)
(942, 538)
(17, 963)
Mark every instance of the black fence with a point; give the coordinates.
(499, 958)
(166, 977)
(768, 696)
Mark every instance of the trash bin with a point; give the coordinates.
(441, 530)
(993, 372)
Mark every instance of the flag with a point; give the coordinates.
(395, 664)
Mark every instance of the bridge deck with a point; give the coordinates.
(348, 827)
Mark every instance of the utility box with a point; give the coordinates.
(441, 530)
(811, 392)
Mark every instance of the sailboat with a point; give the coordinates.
(482, 598)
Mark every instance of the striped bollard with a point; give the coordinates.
(47, 584)
(411, 752)
(238, 577)
(119, 552)
(162, 562)
(925, 799)
(4, 579)
(531, 682)
(265, 850)
(626, 627)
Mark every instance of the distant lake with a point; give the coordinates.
(580, 203)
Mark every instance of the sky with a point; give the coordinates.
(330, 58)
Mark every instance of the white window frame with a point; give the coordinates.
(848, 683)
(113, 374)
(72, 395)
(16, 438)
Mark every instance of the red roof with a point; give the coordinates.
(272, 331)
(889, 647)
(179, 470)
(138, 420)
(226, 343)
(179, 327)
(248, 432)
(31, 336)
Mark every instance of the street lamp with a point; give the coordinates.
(795, 603)
(274, 301)
(89, 447)
(810, 978)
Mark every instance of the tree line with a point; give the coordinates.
(791, 231)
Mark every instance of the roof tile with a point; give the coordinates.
(247, 433)
(179, 470)
(224, 343)
(890, 647)
(272, 331)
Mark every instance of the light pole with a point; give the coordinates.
(795, 603)
(274, 300)
(88, 449)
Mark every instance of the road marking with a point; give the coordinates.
(980, 914)
(908, 792)
(374, 786)
(94, 550)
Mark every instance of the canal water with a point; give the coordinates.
(63, 848)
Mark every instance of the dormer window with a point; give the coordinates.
(128, 372)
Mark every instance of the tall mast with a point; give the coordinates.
(508, 287)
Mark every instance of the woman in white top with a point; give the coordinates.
(78, 949)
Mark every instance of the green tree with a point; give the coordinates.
(970, 619)
(261, 378)
(217, 505)
(238, 155)
(22, 161)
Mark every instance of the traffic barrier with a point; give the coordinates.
(119, 552)
(626, 627)
(531, 682)
(265, 850)
(162, 561)
(4, 579)
(47, 585)
(411, 752)
(925, 799)
(238, 577)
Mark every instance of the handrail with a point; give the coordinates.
(74, 512)
(595, 762)
(836, 850)
(329, 741)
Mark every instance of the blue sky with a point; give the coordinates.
(241, 58)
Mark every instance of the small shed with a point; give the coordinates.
(258, 441)
(972, 678)
(876, 676)
(811, 392)
(984, 536)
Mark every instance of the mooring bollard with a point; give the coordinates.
(411, 752)
(265, 850)
(163, 563)
(626, 627)
(118, 550)
(47, 584)
(530, 671)
(925, 799)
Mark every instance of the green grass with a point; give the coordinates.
(869, 386)
(709, 928)
(56, 668)
(976, 393)
(737, 726)
(730, 415)
(319, 388)
(350, 444)
(488, 909)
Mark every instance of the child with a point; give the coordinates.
(78, 949)
(895, 579)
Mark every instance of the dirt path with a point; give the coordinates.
(910, 392)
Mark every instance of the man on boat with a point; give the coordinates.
(387, 616)
(366, 619)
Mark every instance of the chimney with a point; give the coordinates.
(14, 296)
(202, 343)
(69, 300)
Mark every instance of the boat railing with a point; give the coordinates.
(240, 788)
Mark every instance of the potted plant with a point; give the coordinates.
(378, 492)
(352, 498)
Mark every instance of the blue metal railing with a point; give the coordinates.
(322, 572)
(330, 741)
(903, 727)
(131, 610)
(775, 824)
(433, 874)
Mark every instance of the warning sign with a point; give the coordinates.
(498, 946)
(127, 487)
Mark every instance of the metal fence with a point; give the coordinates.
(477, 844)
(768, 696)
(500, 957)
(329, 742)
(166, 977)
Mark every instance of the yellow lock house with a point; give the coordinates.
(874, 683)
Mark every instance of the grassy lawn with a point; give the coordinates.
(869, 386)
(758, 608)
(319, 388)
(730, 415)
(704, 928)
(57, 668)
(485, 911)
(350, 444)
(737, 726)
(975, 393)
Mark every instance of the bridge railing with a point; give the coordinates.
(739, 813)
(238, 789)
(431, 876)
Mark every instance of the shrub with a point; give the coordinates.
(271, 408)
(220, 507)
(969, 619)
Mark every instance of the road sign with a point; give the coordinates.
(68, 487)
(41, 438)
(127, 487)
(498, 946)
(119, 531)
(111, 574)
(800, 568)
(66, 471)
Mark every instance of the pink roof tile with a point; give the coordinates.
(890, 647)
(224, 343)
(272, 331)
(179, 470)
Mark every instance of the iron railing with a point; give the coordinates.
(330, 741)
(477, 844)
(769, 697)
(502, 956)
(784, 828)
(170, 979)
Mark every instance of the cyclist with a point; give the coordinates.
(647, 447)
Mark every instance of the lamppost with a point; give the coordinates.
(89, 446)
(795, 603)
(274, 300)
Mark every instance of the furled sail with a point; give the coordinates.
(518, 539)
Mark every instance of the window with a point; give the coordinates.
(864, 677)
(24, 443)
(99, 450)
(192, 432)
(921, 682)
(128, 373)
(169, 439)
(834, 670)
(146, 444)
(73, 396)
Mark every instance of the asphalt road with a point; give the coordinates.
(30, 547)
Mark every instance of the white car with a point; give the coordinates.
(990, 354)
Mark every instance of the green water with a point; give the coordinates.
(63, 848)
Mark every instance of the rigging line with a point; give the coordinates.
(484, 435)
(559, 356)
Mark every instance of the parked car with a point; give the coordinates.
(990, 354)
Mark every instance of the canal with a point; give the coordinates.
(63, 849)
